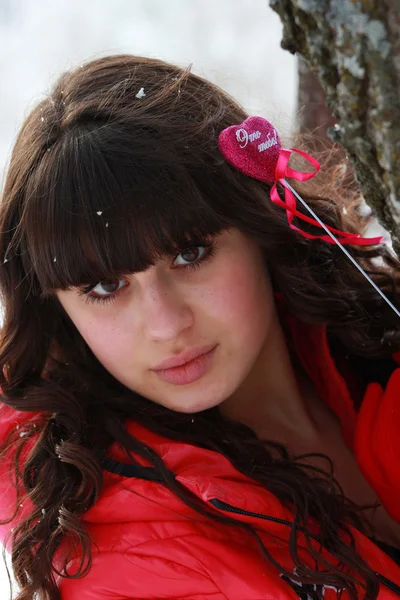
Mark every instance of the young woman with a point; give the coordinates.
(198, 400)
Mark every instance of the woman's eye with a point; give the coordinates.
(190, 255)
(107, 287)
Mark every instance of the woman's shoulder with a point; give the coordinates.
(9, 419)
(168, 552)
(18, 423)
(190, 564)
(141, 526)
(13, 420)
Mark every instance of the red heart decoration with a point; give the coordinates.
(253, 147)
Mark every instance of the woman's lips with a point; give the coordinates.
(190, 371)
(178, 360)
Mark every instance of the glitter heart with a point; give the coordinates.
(253, 147)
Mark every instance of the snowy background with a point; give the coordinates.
(234, 43)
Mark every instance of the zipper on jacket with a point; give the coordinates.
(233, 509)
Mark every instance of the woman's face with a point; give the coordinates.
(216, 301)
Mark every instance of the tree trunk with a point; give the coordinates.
(313, 115)
(353, 47)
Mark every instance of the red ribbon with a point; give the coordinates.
(281, 171)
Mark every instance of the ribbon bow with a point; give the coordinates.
(254, 148)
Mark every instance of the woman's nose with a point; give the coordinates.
(165, 313)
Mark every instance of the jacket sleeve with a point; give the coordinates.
(189, 567)
(377, 442)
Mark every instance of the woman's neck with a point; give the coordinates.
(273, 397)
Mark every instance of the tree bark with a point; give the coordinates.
(313, 115)
(353, 47)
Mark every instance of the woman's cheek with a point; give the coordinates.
(236, 293)
(106, 339)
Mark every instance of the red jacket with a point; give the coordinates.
(148, 544)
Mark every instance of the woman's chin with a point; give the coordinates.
(195, 400)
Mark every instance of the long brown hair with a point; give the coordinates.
(102, 182)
